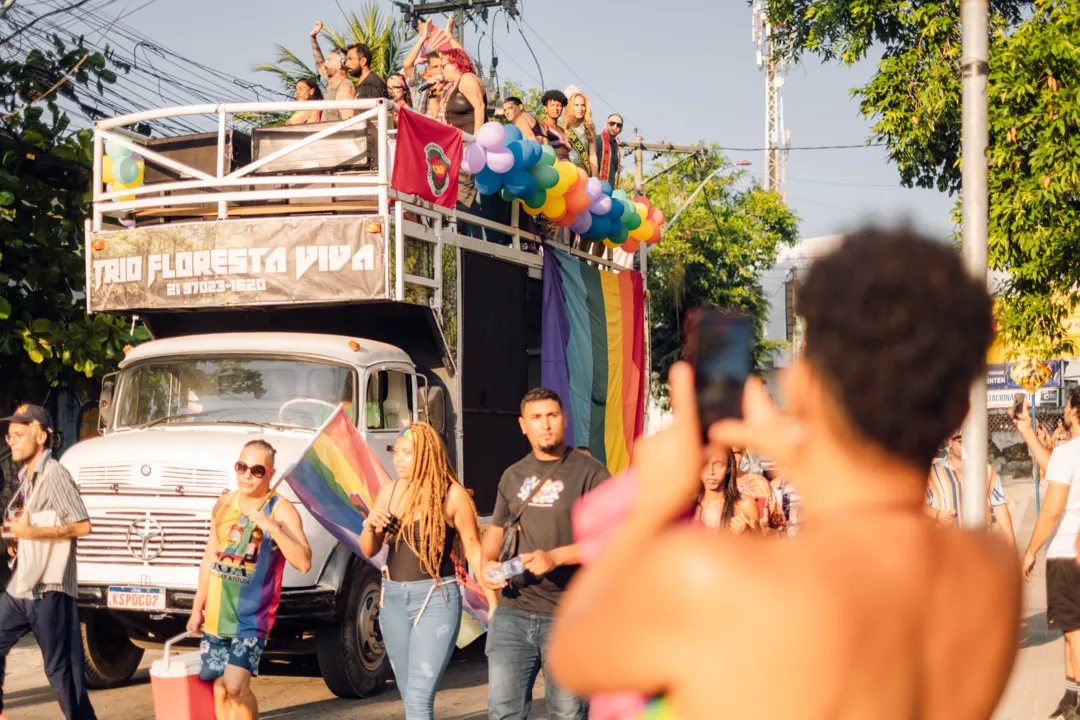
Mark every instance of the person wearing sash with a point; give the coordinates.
(581, 133)
(253, 533)
(607, 150)
(428, 521)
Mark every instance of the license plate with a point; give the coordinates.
(136, 598)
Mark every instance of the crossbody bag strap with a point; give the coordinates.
(540, 483)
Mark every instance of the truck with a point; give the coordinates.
(274, 290)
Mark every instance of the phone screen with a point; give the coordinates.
(720, 349)
(1018, 404)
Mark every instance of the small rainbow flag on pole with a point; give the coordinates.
(337, 479)
(593, 354)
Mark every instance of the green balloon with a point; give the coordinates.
(116, 150)
(547, 155)
(632, 221)
(126, 170)
(506, 195)
(622, 197)
(546, 177)
(623, 236)
(536, 200)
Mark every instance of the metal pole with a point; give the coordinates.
(1035, 427)
(643, 262)
(974, 140)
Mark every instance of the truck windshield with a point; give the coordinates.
(189, 390)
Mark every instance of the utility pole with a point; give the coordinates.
(640, 146)
(777, 138)
(415, 12)
(974, 138)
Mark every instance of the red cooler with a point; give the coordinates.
(179, 694)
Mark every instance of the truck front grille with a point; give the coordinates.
(162, 538)
(162, 482)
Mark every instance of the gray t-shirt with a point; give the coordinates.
(55, 490)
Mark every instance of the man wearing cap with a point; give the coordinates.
(48, 611)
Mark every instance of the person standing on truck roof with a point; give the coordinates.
(332, 70)
(253, 533)
(885, 615)
(534, 501)
(429, 522)
(358, 64)
(48, 611)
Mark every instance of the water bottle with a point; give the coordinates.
(513, 567)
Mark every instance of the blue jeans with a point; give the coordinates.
(516, 652)
(420, 625)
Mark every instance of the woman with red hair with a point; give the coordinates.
(464, 103)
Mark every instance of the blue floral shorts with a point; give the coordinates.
(218, 652)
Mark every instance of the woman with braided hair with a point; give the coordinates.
(426, 518)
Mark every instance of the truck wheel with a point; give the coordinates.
(109, 657)
(351, 655)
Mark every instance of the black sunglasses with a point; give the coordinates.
(257, 471)
(614, 124)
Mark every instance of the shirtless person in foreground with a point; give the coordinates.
(878, 613)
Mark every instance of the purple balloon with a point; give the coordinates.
(601, 205)
(492, 135)
(593, 188)
(474, 159)
(500, 161)
(582, 223)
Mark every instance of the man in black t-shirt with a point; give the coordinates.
(358, 63)
(518, 631)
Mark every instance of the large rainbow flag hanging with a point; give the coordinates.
(337, 479)
(593, 354)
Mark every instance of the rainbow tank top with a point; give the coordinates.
(245, 577)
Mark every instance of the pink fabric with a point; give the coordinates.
(596, 517)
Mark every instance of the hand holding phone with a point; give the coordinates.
(719, 344)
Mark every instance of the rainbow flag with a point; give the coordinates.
(593, 354)
(337, 479)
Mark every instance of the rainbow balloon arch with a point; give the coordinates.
(516, 169)
(122, 169)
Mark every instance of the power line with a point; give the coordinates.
(805, 147)
(538, 68)
(37, 19)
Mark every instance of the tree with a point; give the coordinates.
(1034, 152)
(715, 254)
(382, 33)
(44, 201)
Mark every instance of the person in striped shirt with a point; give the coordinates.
(945, 491)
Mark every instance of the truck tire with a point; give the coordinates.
(352, 659)
(109, 657)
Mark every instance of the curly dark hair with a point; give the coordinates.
(538, 394)
(899, 330)
(553, 95)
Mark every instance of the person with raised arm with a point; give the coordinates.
(332, 70)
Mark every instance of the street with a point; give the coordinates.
(284, 690)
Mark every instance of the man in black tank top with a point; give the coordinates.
(516, 650)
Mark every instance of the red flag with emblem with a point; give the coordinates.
(427, 159)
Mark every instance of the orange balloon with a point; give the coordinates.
(631, 245)
(567, 219)
(577, 202)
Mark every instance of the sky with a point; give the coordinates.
(683, 75)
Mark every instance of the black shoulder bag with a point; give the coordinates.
(512, 528)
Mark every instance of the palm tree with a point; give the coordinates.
(385, 35)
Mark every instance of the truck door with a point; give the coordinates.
(388, 407)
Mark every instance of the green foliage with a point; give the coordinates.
(1034, 153)
(44, 201)
(385, 35)
(530, 98)
(715, 254)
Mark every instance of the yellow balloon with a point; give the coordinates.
(567, 172)
(121, 186)
(555, 207)
(142, 173)
(530, 211)
(106, 169)
(642, 211)
(608, 243)
(640, 233)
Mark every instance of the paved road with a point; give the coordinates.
(284, 689)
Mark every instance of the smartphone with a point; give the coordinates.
(1018, 404)
(719, 345)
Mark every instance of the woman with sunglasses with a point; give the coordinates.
(399, 93)
(607, 151)
(720, 505)
(428, 521)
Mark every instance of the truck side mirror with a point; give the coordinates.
(433, 407)
(105, 403)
